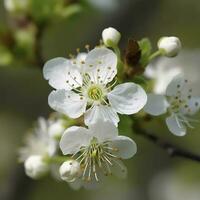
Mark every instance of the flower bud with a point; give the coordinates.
(111, 37)
(169, 45)
(70, 170)
(56, 129)
(35, 167)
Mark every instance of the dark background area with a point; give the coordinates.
(153, 175)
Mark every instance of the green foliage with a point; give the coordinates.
(5, 56)
(145, 47)
(42, 10)
(69, 10)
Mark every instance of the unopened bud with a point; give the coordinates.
(70, 170)
(35, 167)
(170, 46)
(111, 37)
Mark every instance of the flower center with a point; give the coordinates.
(95, 93)
(98, 156)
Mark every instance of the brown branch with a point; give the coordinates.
(171, 149)
(38, 46)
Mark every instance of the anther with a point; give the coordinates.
(87, 46)
(71, 56)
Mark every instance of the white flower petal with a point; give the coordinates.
(119, 169)
(127, 98)
(93, 184)
(77, 184)
(67, 102)
(101, 65)
(80, 60)
(175, 126)
(103, 112)
(88, 185)
(193, 105)
(62, 74)
(156, 104)
(126, 147)
(177, 84)
(73, 139)
(103, 130)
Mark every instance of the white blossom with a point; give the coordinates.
(178, 101)
(70, 170)
(99, 150)
(56, 128)
(111, 37)
(164, 69)
(35, 166)
(88, 89)
(38, 142)
(170, 46)
(162, 72)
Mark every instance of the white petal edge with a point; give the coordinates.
(127, 98)
(101, 65)
(175, 126)
(62, 74)
(73, 139)
(67, 102)
(77, 184)
(104, 112)
(126, 147)
(103, 130)
(119, 170)
(177, 83)
(194, 105)
(156, 104)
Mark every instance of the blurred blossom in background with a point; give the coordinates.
(164, 69)
(73, 24)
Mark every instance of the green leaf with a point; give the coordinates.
(145, 47)
(70, 10)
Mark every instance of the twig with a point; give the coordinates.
(38, 48)
(171, 149)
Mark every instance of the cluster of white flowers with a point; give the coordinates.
(87, 85)
(41, 144)
(178, 101)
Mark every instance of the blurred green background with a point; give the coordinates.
(23, 93)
